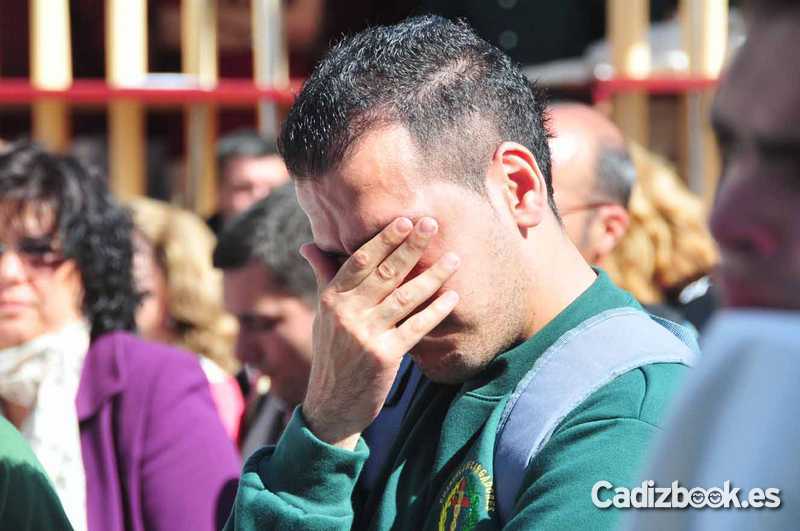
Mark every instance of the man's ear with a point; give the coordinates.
(611, 224)
(521, 183)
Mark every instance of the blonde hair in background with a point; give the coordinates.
(184, 246)
(668, 244)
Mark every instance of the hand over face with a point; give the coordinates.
(359, 339)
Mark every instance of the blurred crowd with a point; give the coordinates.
(147, 353)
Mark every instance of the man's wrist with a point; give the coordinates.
(329, 432)
(307, 468)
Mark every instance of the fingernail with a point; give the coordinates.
(427, 226)
(450, 298)
(451, 260)
(404, 225)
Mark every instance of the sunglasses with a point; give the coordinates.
(34, 253)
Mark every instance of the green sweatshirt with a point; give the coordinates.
(27, 500)
(440, 471)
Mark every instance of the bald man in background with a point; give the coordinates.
(593, 176)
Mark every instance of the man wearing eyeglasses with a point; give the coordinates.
(593, 176)
(593, 179)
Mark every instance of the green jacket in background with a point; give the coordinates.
(440, 470)
(27, 500)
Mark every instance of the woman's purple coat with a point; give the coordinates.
(156, 455)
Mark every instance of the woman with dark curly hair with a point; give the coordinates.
(126, 429)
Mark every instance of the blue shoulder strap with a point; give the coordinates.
(579, 363)
(686, 332)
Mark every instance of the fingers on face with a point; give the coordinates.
(421, 324)
(364, 261)
(403, 300)
(395, 267)
(383, 262)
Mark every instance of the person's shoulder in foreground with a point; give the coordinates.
(729, 435)
(175, 455)
(27, 499)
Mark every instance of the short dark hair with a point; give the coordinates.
(616, 174)
(90, 226)
(453, 91)
(271, 232)
(244, 143)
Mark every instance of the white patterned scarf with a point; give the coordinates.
(43, 375)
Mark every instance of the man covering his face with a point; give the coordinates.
(421, 158)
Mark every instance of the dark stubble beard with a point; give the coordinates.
(491, 330)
